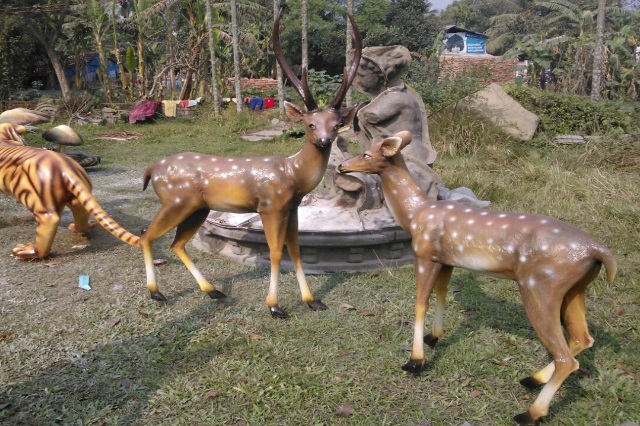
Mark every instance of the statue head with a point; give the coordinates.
(381, 67)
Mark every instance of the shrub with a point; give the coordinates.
(560, 113)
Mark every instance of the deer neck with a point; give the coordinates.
(308, 166)
(401, 192)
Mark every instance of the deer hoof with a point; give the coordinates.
(413, 366)
(524, 419)
(430, 340)
(317, 305)
(531, 383)
(215, 294)
(156, 295)
(278, 312)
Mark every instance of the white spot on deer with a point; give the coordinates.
(169, 186)
(415, 247)
(556, 231)
(155, 179)
(206, 181)
(460, 248)
(544, 247)
(425, 236)
(489, 240)
(543, 221)
(164, 160)
(450, 206)
(197, 157)
(181, 170)
(180, 157)
(505, 226)
(573, 246)
(296, 165)
(410, 216)
(247, 159)
(216, 169)
(522, 216)
(467, 210)
(394, 191)
(230, 160)
(454, 234)
(279, 191)
(414, 226)
(484, 213)
(471, 221)
(452, 219)
(281, 168)
(509, 248)
(523, 258)
(242, 181)
(502, 215)
(421, 269)
(430, 217)
(531, 282)
(177, 200)
(432, 206)
(214, 159)
(234, 167)
(266, 160)
(442, 232)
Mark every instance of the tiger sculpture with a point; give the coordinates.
(12, 134)
(45, 182)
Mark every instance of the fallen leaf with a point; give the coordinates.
(347, 306)
(475, 393)
(582, 372)
(159, 261)
(78, 246)
(366, 313)
(526, 396)
(620, 311)
(626, 370)
(405, 348)
(113, 322)
(344, 410)
(5, 336)
(212, 394)
(254, 336)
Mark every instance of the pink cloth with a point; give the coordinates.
(143, 110)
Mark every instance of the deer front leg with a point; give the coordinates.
(45, 233)
(426, 276)
(275, 228)
(185, 231)
(293, 247)
(437, 327)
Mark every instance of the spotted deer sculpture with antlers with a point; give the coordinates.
(189, 185)
(552, 262)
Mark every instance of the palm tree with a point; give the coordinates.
(236, 54)
(214, 65)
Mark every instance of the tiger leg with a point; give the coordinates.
(81, 222)
(45, 233)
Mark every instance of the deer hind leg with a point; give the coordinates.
(437, 327)
(185, 231)
(46, 230)
(81, 222)
(573, 315)
(543, 311)
(293, 247)
(275, 228)
(167, 218)
(426, 276)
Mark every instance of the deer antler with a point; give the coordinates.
(303, 86)
(347, 78)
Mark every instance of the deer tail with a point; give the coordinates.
(147, 178)
(605, 256)
(80, 190)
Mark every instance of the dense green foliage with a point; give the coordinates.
(560, 113)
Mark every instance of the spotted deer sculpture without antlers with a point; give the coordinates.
(552, 262)
(189, 185)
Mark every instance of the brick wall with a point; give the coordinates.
(502, 70)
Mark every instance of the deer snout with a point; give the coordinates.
(323, 142)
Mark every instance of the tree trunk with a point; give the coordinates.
(214, 64)
(58, 69)
(276, 7)
(598, 53)
(236, 54)
(304, 9)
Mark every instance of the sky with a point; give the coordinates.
(440, 4)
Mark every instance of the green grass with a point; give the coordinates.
(113, 356)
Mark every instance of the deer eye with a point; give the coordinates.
(312, 126)
(366, 156)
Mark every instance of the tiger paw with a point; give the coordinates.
(84, 228)
(26, 251)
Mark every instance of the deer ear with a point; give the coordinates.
(391, 146)
(347, 114)
(293, 111)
